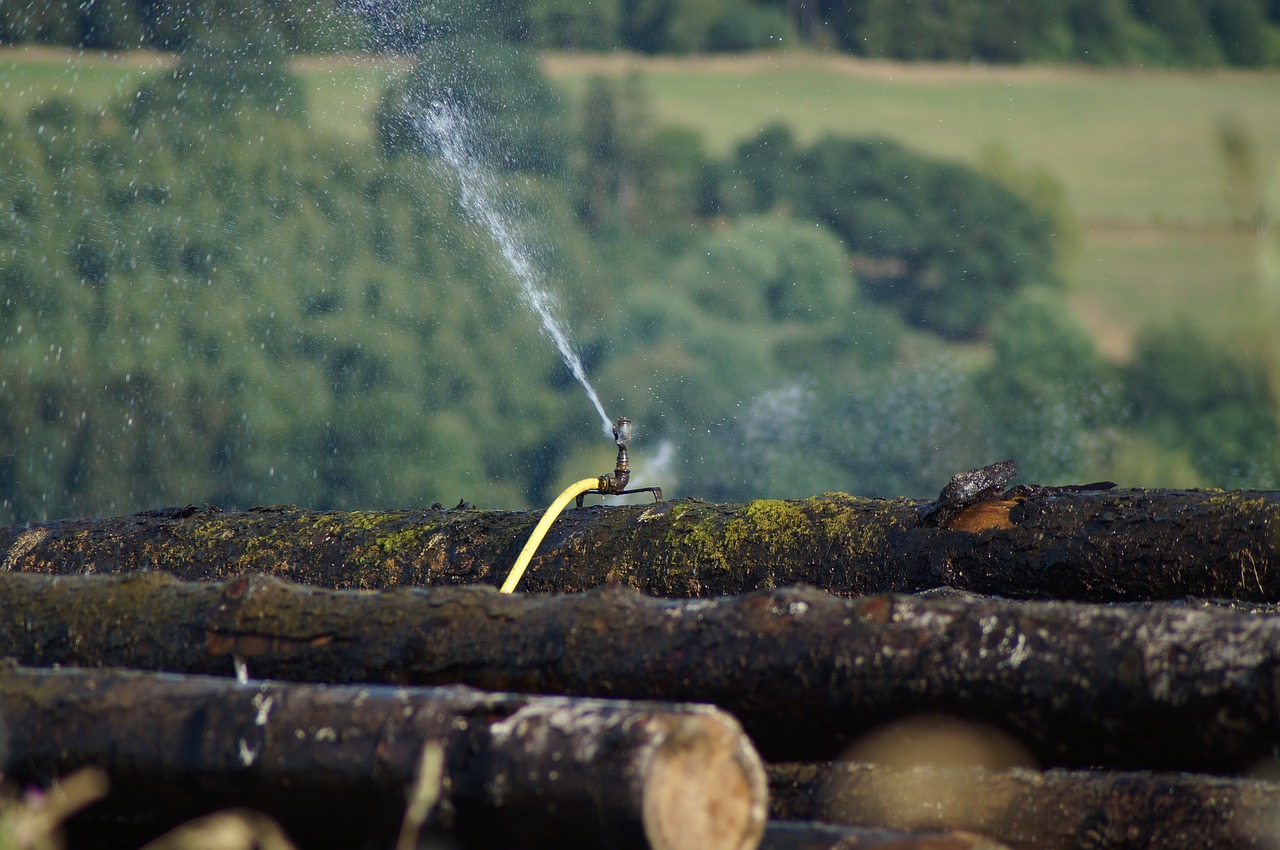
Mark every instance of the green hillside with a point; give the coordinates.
(801, 335)
(1127, 145)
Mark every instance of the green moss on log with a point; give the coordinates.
(1091, 546)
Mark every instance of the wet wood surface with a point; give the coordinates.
(1167, 696)
(1034, 543)
(823, 836)
(1176, 686)
(1037, 810)
(336, 765)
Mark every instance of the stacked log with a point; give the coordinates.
(1042, 809)
(517, 771)
(1175, 686)
(1040, 543)
(1119, 648)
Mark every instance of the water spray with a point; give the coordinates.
(610, 484)
(446, 127)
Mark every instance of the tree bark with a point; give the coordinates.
(336, 764)
(1087, 546)
(1180, 686)
(823, 836)
(1030, 810)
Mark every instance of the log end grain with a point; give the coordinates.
(705, 788)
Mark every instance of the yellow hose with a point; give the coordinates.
(526, 554)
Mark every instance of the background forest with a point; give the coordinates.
(1097, 32)
(207, 296)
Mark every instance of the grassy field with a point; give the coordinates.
(1137, 152)
(1129, 145)
(31, 74)
(1129, 277)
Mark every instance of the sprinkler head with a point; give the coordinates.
(622, 432)
(615, 483)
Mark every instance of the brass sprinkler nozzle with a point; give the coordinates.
(622, 431)
(615, 483)
(612, 485)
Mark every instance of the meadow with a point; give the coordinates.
(1163, 220)
(1137, 152)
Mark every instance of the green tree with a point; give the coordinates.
(288, 25)
(1042, 190)
(645, 24)
(905, 429)
(54, 22)
(190, 315)
(769, 269)
(939, 29)
(111, 25)
(950, 245)
(762, 173)
(724, 349)
(1184, 26)
(570, 25)
(1240, 26)
(1197, 395)
(632, 177)
(750, 26)
(1049, 397)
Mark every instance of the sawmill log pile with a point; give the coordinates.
(1034, 668)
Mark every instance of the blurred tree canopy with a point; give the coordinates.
(942, 243)
(1198, 396)
(203, 299)
(190, 312)
(634, 178)
(292, 26)
(1099, 32)
(1050, 396)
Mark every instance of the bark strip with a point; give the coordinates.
(1034, 543)
(1179, 686)
(1033, 810)
(335, 764)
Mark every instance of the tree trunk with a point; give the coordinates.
(336, 764)
(1088, 546)
(1185, 686)
(1030, 810)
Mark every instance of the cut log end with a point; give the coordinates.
(705, 789)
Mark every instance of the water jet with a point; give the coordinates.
(447, 128)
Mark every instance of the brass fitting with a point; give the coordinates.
(615, 483)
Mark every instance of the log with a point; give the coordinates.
(825, 836)
(1177, 686)
(335, 764)
(1035, 543)
(1033, 810)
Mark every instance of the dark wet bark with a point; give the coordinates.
(822, 836)
(1157, 686)
(1092, 546)
(1032, 810)
(335, 765)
